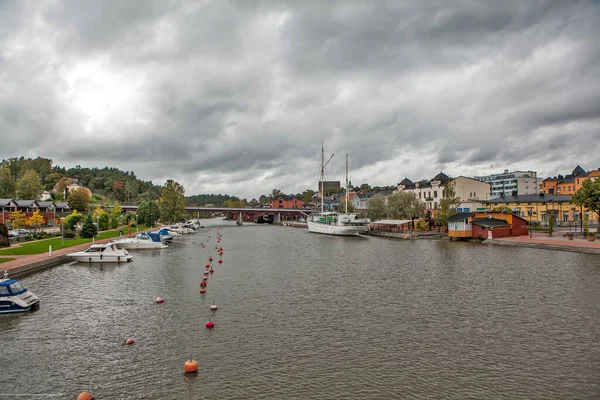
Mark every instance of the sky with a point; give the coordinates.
(236, 97)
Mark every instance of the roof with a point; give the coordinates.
(489, 222)
(578, 171)
(461, 216)
(25, 203)
(392, 221)
(530, 198)
(62, 204)
(406, 183)
(442, 177)
(5, 202)
(44, 204)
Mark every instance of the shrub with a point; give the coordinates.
(69, 234)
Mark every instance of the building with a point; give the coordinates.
(472, 193)
(486, 225)
(537, 208)
(360, 200)
(52, 212)
(568, 184)
(286, 201)
(511, 183)
(430, 192)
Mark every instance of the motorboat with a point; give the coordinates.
(102, 253)
(141, 241)
(15, 298)
(165, 235)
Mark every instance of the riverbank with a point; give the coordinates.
(544, 241)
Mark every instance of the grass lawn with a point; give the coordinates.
(41, 246)
(5, 260)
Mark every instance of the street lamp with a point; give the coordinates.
(98, 225)
(530, 212)
(136, 224)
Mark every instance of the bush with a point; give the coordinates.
(69, 234)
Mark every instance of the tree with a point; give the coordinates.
(551, 218)
(307, 195)
(172, 202)
(70, 221)
(36, 220)
(148, 213)
(376, 207)
(115, 214)
(7, 184)
(18, 219)
(404, 205)
(448, 204)
(79, 200)
(4, 239)
(588, 196)
(342, 206)
(102, 217)
(88, 228)
(29, 186)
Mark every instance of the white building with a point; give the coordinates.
(472, 193)
(512, 183)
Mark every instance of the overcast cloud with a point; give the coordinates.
(236, 96)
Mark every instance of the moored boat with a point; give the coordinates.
(141, 241)
(102, 253)
(15, 298)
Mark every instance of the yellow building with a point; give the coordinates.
(537, 208)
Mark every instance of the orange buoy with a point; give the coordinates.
(202, 291)
(207, 265)
(129, 341)
(190, 367)
(85, 396)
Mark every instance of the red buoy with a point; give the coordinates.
(129, 341)
(210, 259)
(159, 300)
(212, 270)
(205, 277)
(220, 261)
(210, 324)
(202, 291)
(207, 265)
(203, 284)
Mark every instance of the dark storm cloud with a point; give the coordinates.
(236, 96)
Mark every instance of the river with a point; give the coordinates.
(309, 316)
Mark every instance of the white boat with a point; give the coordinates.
(332, 222)
(15, 298)
(102, 253)
(141, 241)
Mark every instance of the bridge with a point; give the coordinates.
(243, 213)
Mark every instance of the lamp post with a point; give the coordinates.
(98, 226)
(136, 224)
(573, 209)
(530, 212)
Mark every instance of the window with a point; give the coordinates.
(435, 194)
(470, 195)
(435, 205)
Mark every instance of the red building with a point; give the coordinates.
(486, 225)
(286, 201)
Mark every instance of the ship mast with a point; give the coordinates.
(322, 174)
(346, 183)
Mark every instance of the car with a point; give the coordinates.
(18, 232)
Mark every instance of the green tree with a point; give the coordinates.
(79, 200)
(148, 213)
(4, 240)
(115, 214)
(172, 202)
(404, 205)
(102, 217)
(588, 196)
(551, 219)
(342, 206)
(502, 209)
(448, 204)
(376, 207)
(8, 187)
(29, 186)
(307, 195)
(88, 229)
(70, 221)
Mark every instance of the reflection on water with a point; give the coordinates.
(308, 316)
